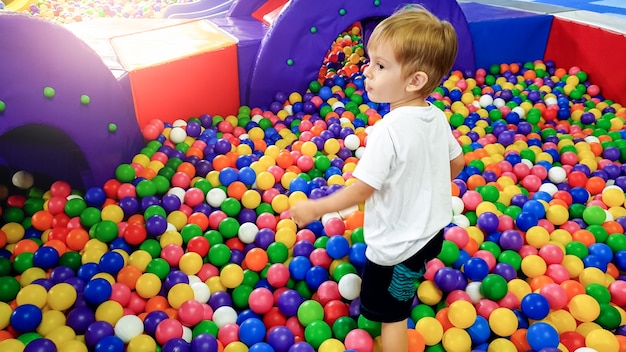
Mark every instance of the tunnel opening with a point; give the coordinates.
(44, 151)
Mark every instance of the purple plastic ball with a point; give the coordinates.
(170, 203)
(505, 270)
(153, 319)
(41, 345)
(79, 319)
(303, 248)
(175, 277)
(488, 222)
(220, 299)
(97, 330)
(176, 345)
(204, 343)
(288, 302)
(511, 239)
(280, 338)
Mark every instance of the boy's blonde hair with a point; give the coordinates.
(421, 42)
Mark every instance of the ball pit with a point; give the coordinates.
(190, 246)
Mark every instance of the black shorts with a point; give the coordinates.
(387, 292)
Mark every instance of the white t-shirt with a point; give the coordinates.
(407, 161)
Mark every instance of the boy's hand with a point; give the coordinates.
(303, 212)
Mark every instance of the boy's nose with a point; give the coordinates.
(366, 71)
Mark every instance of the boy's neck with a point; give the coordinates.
(416, 102)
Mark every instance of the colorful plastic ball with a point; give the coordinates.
(261, 300)
(204, 342)
(26, 318)
(110, 344)
(555, 294)
(479, 331)
(602, 340)
(41, 345)
(289, 301)
(475, 269)
(231, 275)
(251, 331)
(280, 338)
(337, 246)
(168, 329)
(494, 287)
(359, 340)
(584, 308)
(431, 329)
(350, 286)
(310, 311)
(503, 322)
(191, 312)
(316, 332)
(128, 327)
(456, 340)
(462, 314)
(535, 306)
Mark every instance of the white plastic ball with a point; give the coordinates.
(527, 163)
(337, 105)
(352, 142)
(247, 232)
(187, 334)
(215, 197)
(329, 216)
(288, 109)
(473, 291)
(350, 286)
(359, 152)
(457, 205)
(550, 101)
(23, 179)
(256, 118)
(592, 139)
(224, 315)
(244, 136)
(73, 196)
(499, 102)
(557, 174)
(179, 123)
(178, 192)
(193, 279)
(461, 221)
(549, 188)
(201, 292)
(609, 216)
(485, 100)
(612, 186)
(585, 349)
(128, 327)
(344, 121)
(520, 111)
(178, 135)
(171, 227)
(345, 212)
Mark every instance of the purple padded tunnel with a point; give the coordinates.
(82, 132)
(291, 53)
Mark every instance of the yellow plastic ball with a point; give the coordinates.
(602, 340)
(72, 346)
(332, 345)
(519, 288)
(236, 346)
(503, 322)
(562, 320)
(296, 197)
(331, 146)
(113, 213)
(286, 179)
(190, 263)
(50, 319)
(179, 294)
(462, 314)
(148, 285)
(592, 275)
(141, 343)
(32, 294)
(573, 265)
(251, 199)
(429, 293)
(537, 236)
(110, 311)
(140, 259)
(584, 308)
(215, 284)
(308, 148)
(557, 214)
(265, 180)
(12, 345)
(431, 329)
(14, 232)
(5, 315)
(61, 296)
(533, 266)
(287, 236)
(61, 334)
(231, 275)
(456, 340)
(501, 345)
(177, 218)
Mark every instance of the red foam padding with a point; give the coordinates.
(206, 83)
(268, 12)
(595, 50)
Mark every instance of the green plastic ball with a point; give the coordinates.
(494, 287)
(158, 267)
(219, 254)
(106, 231)
(449, 252)
(125, 173)
(9, 287)
(342, 326)
(317, 332)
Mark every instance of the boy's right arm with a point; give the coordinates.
(456, 165)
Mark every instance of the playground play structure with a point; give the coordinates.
(75, 97)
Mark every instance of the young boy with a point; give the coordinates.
(405, 172)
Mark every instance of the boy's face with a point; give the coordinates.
(385, 82)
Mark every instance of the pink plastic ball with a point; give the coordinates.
(126, 190)
(172, 253)
(618, 292)
(150, 132)
(328, 291)
(190, 313)
(319, 257)
(359, 340)
(181, 179)
(458, 235)
(539, 171)
(334, 226)
(266, 221)
(557, 272)
(228, 333)
(278, 275)
(505, 222)
(555, 294)
(168, 329)
(215, 218)
(484, 307)
(305, 235)
(527, 250)
(60, 189)
(193, 197)
(120, 293)
(546, 225)
(531, 183)
(261, 300)
(551, 254)
(570, 226)
(432, 267)
(458, 295)
(510, 301)
(521, 170)
(207, 271)
(305, 163)
(471, 199)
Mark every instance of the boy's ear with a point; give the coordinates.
(417, 81)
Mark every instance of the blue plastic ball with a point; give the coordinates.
(26, 318)
(252, 331)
